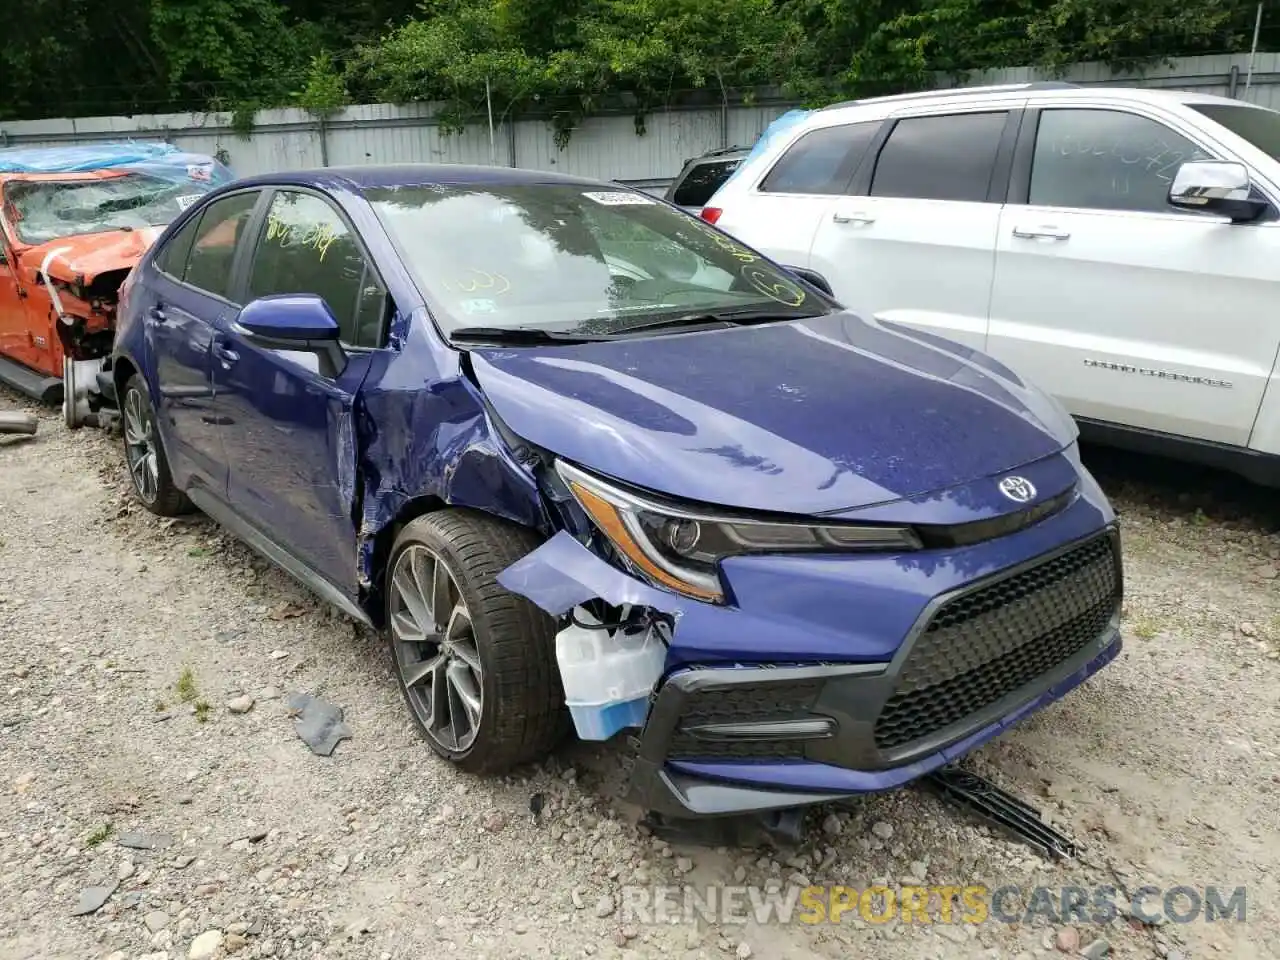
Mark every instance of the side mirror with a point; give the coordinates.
(294, 321)
(1216, 186)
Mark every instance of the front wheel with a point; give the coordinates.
(148, 466)
(476, 663)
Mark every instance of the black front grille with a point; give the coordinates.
(749, 704)
(989, 642)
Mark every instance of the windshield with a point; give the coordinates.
(568, 258)
(44, 210)
(1261, 127)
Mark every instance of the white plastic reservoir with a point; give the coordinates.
(607, 675)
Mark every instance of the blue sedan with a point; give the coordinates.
(585, 459)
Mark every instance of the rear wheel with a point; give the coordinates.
(148, 466)
(476, 663)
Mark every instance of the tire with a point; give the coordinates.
(138, 425)
(521, 714)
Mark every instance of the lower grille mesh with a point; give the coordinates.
(985, 644)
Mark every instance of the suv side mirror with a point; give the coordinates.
(1216, 186)
(294, 321)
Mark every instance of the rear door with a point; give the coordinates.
(289, 436)
(191, 294)
(915, 242)
(779, 215)
(1130, 311)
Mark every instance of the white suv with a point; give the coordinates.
(1119, 247)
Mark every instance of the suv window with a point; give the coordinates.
(947, 157)
(822, 161)
(213, 248)
(1258, 125)
(1106, 160)
(306, 247)
(702, 181)
(172, 258)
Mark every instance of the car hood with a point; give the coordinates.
(80, 259)
(818, 415)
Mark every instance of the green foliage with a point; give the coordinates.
(560, 59)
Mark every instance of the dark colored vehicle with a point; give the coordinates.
(702, 176)
(485, 409)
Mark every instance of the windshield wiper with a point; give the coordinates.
(712, 319)
(519, 335)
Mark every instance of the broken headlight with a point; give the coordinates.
(679, 548)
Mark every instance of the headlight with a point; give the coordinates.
(679, 549)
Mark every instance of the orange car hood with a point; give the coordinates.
(82, 258)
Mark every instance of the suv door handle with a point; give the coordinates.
(225, 353)
(158, 315)
(852, 216)
(1041, 233)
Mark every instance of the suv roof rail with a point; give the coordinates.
(960, 92)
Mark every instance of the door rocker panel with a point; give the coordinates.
(277, 554)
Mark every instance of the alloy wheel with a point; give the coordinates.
(140, 447)
(436, 650)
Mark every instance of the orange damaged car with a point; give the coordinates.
(73, 222)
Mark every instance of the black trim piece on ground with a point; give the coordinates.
(48, 390)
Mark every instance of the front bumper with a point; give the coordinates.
(733, 739)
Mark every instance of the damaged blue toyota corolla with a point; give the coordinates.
(581, 456)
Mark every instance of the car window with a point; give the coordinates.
(306, 247)
(822, 161)
(172, 257)
(213, 247)
(702, 181)
(948, 157)
(1106, 160)
(1258, 125)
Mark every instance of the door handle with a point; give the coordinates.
(225, 353)
(1040, 233)
(852, 216)
(158, 314)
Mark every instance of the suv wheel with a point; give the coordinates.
(476, 664)
(148, 466)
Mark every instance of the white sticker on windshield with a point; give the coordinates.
(619, 199)
(188, 200)
(479, 305)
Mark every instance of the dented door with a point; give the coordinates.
(290, 449)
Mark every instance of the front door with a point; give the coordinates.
(290, 433)
(23, 337)
(190, 294)
(1127, 310)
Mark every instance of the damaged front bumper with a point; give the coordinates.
(739, 740)
(831, 676)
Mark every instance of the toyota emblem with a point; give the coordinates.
(1018, 489)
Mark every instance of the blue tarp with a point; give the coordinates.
(162, 160)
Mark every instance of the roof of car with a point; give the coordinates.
(1052, 88)
(413, 174)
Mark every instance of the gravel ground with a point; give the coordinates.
(124, 639)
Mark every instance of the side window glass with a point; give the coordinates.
(1106, 160)
(940, 158)
(702, 181)
(306, 247)
(213, 247)
(821, 161)
(173, 258)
